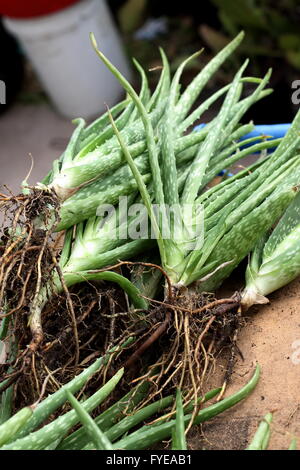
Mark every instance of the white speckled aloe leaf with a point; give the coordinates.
(212, 142)
(196, 86)
(59, 427)
(285, 226)
(241, 239)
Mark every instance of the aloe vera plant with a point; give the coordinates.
(260, 203)
(109, 430)
(275, 260)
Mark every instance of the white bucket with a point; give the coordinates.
(58, 45)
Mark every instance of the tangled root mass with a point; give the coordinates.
(180, 337)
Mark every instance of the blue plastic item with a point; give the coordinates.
(275, 131)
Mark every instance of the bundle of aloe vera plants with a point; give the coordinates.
(120, 249)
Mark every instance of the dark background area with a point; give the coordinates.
(272, 40)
